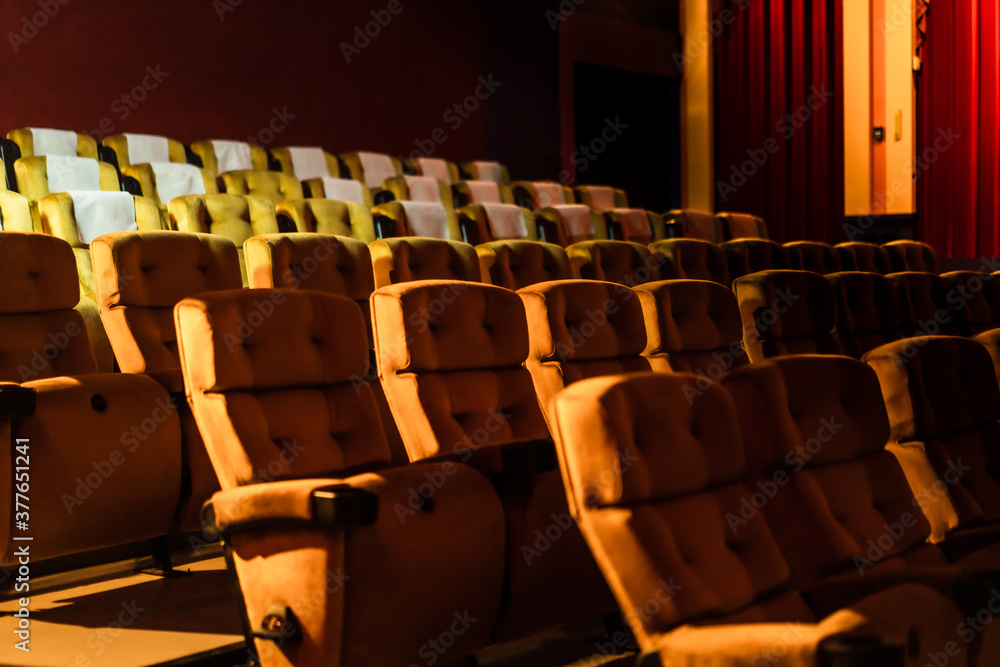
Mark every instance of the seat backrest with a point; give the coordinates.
(274, 186)
(944, 412)
(130, 149)
(339, 189)
(236, 217)
(400, 260)
(450, 357)
(482, 223)
(140, 277)
(517, 264)
(602, 197)
(443, 170)
(326, 216)
(219, 155)
(579, 329)
(285, 364)
(786, 312)
(15, 212)
(566, 224)
(696, 224)
(416, 218)
(613, 261)
(923, 299)
(41, 335)
(815, 431)
(541, 194)
(39, 177)
(484, 170)
(653, 464)
(750, 255)
(906, 255)
(742, 226)
(975, 298)
(162, 181)
(692, 326)
(868, 311)
(305, 162)
(34, 141)
(420, 188)
(371, 168)
(860, 256)
(693, 259)
(481, 192)
(814, 256)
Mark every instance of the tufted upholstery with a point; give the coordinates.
(859, 256)
(327, 216)
(206, 151)
(274, 186)
(485, 171)
(274, 391)
(613, 261)
(748, 256)
(975, 298)
(868, 311)
(833, 486)
(483, 223)
(692, 326)
(813, 256)
(696, 224)
(693, 259)
(404, 259)
(742, 226)
(786, 312)
(450, 356)
(86, 145)
(944, 406)
(517, 264)
(579, 329)
(15, 213)
(926, 310)
(236, 217)
(908, 255)
(119, 144)
(283, 156)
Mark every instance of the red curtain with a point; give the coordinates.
(779, 130)
(958, 137)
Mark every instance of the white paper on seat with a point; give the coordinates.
(144, 148)
(602, 198)
(484, 192)
(54, 142)
(232, 155)
(550, 194)
(343, 189)
(99, 213)
(506, 221)
(635, 221)
(308, 162)
(377, 168)
(174, 179)
(434, 167)
(72, 173)
(427, 219)
(489, 171)
(423, 188)
(578, 220)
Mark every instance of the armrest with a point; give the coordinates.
(317, 502)
(16, 401)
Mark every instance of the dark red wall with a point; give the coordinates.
(230, 63)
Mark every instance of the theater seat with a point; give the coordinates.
(868, 311)
(15, 213)
(274, 186)
(859, 256)
(613, 261)
(162, 181)
(400, 260)
(631, 224)
(412, 218)
(371, 168)
(944, 412)
(338, 189)
(125, 150)
(103, 449)
(742, 226)
(695, 224)
(579, 329)
(140, 277)
(653, 467)
(749, 255)
(786, 312)
(483, 170)
(219, 155)
(908, 255)
(326, 216)
(693, 259)
(306, 162)
(821, 258)
(39, 177)
(39, 142)
(692, 326)
(450, 358)
(236, 217)
(420, 188)
(517, 264)
(923, 299)
(559, 219)
(975, 298)
(483, 223)
(442, 170)
(308, 505)
(481, 192)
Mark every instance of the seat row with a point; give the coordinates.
(285, 416)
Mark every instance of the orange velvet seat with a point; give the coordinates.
(274, 186)
(696, 224)
(820, 258)
(404, 259)
(560, 219)
(976, 300)
(484, 170)
(746, 256)
(484, 223)
(619, 262)
(693, 259)
(925, 304)
(629, 224)
(326, 216)
(906, 255)
(860, 256)
(517, 264)
(307, 498)
(868, 311)
(742, 226)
